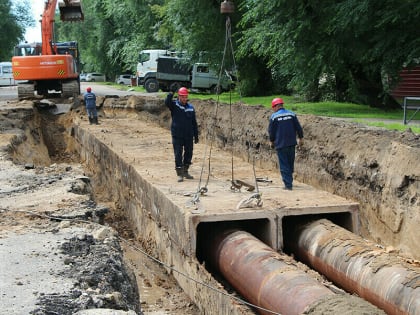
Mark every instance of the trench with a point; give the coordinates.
(52, 132)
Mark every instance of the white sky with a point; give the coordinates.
(33, 34)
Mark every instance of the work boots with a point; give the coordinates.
(90, 120)
(186, 174)
(180, 173)
(95, 120)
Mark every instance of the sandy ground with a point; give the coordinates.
(47, 201)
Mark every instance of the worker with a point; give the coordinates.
(184, 131)
(283, 128)
(90, 103)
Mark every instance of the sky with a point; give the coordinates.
(33, 34)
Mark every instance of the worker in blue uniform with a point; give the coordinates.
(90, 103)
(184, 131)
(283, 129)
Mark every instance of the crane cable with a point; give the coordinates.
(235, 184)
(204, 189)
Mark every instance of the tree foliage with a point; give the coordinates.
(346, 50)
(112, 34)
(13, 21)
(350, 42)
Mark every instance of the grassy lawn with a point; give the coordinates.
(357, 113)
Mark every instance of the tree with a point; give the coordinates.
(113, 33)
(13, 21)
(350, 42)
(199, 28)
(346, 50)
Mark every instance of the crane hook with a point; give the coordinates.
(227, 7)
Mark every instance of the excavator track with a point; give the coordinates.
(25, 90)
(70, 88)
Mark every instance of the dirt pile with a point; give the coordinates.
(56, 257)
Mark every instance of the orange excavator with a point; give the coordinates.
(49, 67)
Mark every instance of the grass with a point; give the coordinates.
(358, 113)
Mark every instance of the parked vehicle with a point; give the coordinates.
(148, 63)
(173, 72)
(95, 77)
(82, 77)
(6, 74)
(123, 79)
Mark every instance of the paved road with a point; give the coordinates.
(102, 90)
(10, 92)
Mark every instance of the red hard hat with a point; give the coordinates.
(276, 101)
(183, 91)
(88, 89)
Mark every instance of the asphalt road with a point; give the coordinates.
(102, 90)
(10, 92)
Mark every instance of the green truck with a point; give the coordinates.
(174, 72)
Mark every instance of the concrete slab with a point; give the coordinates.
(134, 144)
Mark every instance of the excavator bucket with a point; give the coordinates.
(71, 10)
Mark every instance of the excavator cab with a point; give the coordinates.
(71, 10)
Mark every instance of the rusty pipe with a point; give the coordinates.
(270, 280)
(358, 266)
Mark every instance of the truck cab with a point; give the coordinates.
(147, 63)
(204, 78)
(174, 72)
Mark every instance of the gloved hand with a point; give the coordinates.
(196, 140)
(173, 88)
(272, 146)
(300, 142)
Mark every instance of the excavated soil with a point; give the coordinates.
(377, 168)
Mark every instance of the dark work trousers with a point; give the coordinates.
(286, 157)
(183, 151)
(92, 112)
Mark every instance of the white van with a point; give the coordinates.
(95, 77)
(124, 79)
(6, 74)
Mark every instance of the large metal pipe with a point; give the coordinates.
(358, 266)
(273, 281)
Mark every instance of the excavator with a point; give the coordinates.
(49, 67)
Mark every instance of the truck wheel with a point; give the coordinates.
(151, 85)
(174, 87)
(216, 89)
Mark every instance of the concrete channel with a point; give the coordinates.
(177, 219)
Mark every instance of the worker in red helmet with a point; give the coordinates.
(90, 103)
(283, 129)
(184, 131)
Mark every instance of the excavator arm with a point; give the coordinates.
(70, 10)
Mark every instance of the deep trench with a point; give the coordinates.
(56, 139)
